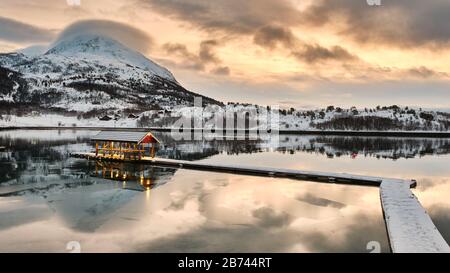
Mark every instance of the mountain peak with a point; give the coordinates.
(86, 43)
(105, 50)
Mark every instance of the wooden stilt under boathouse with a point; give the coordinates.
(125, 145)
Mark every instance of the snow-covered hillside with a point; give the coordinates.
(105, 52)
(87, 74)
(391, 118)
(95, 81)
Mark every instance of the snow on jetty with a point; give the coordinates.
(409, 227)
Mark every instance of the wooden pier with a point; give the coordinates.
(409, 227)
(248, 170)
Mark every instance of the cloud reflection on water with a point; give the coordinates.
(57, 201)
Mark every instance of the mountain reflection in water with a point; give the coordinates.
(48, 198)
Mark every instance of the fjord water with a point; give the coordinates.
(48, 199)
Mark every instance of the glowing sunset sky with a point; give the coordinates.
(291, 52)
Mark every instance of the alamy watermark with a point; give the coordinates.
(73, 3)
(374, 247)
(73, 247)
(231, 121)
(373, 2)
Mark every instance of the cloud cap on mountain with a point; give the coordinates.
(128, 35)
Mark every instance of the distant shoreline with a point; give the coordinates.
(423, 134)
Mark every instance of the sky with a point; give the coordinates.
(292, 53)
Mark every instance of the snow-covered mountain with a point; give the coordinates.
(104, 52)
(92, 80)
(88, 74)
(34, 51)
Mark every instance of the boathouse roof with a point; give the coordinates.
(126, 136)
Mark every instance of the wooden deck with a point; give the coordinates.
(409, 227)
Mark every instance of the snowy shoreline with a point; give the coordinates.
(432, 134)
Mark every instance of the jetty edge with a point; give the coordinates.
(409, 227)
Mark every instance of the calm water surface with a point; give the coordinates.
(48, 199)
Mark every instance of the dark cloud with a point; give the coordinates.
(222, 71)
(231, 16)
(269, 218)
(317, 53)
(126, 34)
(425, 73)
(269, 22)
(271, 36)
(206, 53)
(189, 60)
(197, 61)
(321, 202)
(19, 32)
(176, 48)
(398, 22)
